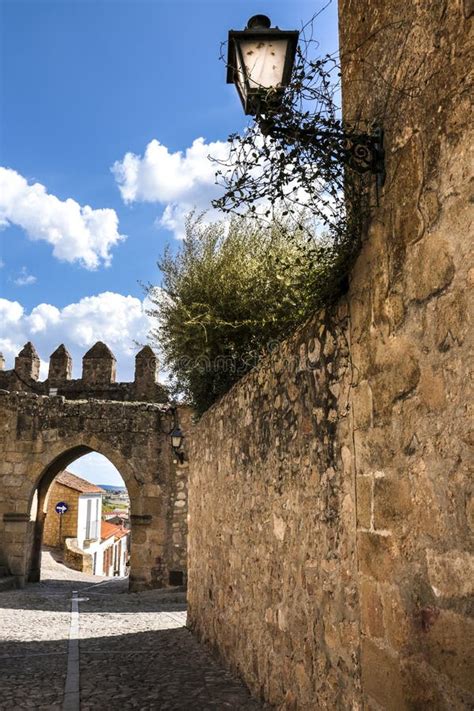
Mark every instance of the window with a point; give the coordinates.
(176, 577)
(88, 519)
(96, 522)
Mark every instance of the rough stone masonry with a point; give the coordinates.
(44, 426)
(331, 514)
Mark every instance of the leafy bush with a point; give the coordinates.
(232, 291)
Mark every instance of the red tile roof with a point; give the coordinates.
(107, 530)
(75, 482)
(120, 513)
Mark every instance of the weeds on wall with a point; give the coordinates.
(230, 294)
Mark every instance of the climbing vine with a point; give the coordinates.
(302, 159)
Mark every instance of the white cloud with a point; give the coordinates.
(116, 319)
(186, 180)
(24, 279)
(77, 233)
(179, 181)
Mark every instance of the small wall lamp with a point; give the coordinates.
(176, 442)
(175, 434)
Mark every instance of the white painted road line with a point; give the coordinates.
(71, 689)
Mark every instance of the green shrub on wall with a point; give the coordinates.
(231, 292)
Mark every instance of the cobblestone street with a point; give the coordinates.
(134, 649)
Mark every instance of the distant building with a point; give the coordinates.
(89, 544)
(114, 545)
(82, 519)
(118, 516)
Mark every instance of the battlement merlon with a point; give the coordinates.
(27, 362)
(98, 379)
(146, 371)
(60, 366)
(99, 365)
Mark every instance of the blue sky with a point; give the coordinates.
(85, 83)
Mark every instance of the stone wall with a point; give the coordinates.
(178, 530)
(272, 566)
(42, 433)
(76, 558)
(177, 537)
(410, 350)
(330, 511)
(67, 522)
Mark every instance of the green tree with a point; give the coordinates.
(230, 292)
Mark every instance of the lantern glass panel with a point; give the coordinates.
(240, 75)
(264, 62)
(176, 440)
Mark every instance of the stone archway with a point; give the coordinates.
(41, 493)
(41, 434)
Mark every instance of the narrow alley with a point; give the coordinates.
(131, 651)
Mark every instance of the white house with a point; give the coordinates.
(90, 544)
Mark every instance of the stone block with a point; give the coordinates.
(431, 389)
(12, 481)
(371, 610)
(279, 527)
(381, 677)
(470, 511)
(377, 555)
(424, 688)
(395, 373)
(364, 486)
(450, 321)
(392, 502)
(451, 574)
(448, 646)
(139, 535)
(363, 406)
(397, 622)
(394, 309)
(430, 267)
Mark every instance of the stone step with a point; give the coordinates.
(170, 595)
(7, 583)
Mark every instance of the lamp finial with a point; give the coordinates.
(259, 22)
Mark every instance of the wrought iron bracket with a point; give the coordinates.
(365, 154)
(361, 152)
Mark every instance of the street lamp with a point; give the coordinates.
(260, 64)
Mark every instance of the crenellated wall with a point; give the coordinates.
(47, 425)
(331, 513)
(98, 375)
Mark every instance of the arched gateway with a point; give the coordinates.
(44, 426)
